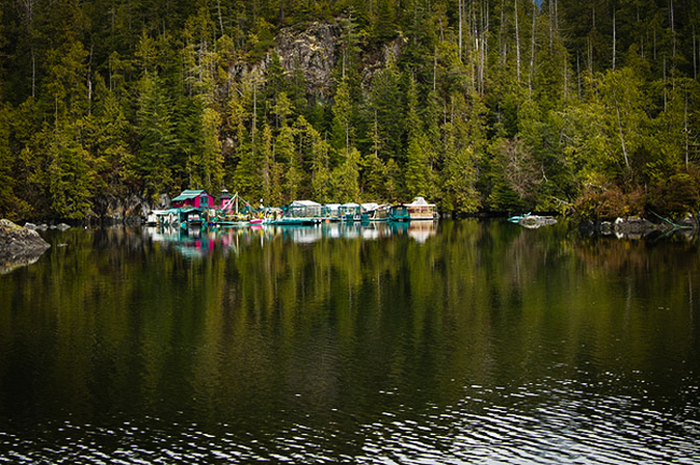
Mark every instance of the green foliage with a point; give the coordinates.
(320, 171)
(157, 140)
(609, 203)
(69, 175)
(504, 111)
(679, 195)
(346, 178)
(11, 207)
(342, 120)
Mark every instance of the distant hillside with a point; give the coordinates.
(589, 107)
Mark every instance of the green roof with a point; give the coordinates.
(189, 194)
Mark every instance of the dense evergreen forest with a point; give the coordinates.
(586, 106)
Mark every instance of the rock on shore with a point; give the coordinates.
(19, 246)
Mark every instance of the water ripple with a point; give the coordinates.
(559, 422)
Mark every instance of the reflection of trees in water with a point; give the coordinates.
(342, 319)
(605, 255)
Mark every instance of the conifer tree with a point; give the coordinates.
(11, 207)
(157, 141)
(69, 177)
(342, 118)
(346, 186)
(417, 159)
(320, 172)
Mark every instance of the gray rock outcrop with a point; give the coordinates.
(312, 50)
(535, 221)
(19, 246)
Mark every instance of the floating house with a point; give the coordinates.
(375, 212)
(369, 206)
(301, 212)
(223, 199)
(350, 212)
(398, 213)
(304, 209)
(331, 212)
(194, 206)
(169, 217)
(419, 209)
(194, 199)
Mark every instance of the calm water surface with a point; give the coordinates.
(465, 342)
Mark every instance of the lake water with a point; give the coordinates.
(462, 342)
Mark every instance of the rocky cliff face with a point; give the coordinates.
(312, 50)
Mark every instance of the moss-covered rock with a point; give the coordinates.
(19, 246)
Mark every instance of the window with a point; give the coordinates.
(204, 200)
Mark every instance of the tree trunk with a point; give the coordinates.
(673, 34)
(255, 117)
(614, 39)
(551, 25)
(221, 21)
(685, 129)
(665, 97)
(578, 73)
(33, 74)
(695, 57)
(461, 21)
(619, 127)
(532, 48)
(501, 35)
(566, 80)
(517, 40)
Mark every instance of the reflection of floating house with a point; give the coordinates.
(420, 231)
(303, 235)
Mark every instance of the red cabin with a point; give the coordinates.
(193, 198)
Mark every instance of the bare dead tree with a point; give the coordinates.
(614, 39)
(532, 48)
(517, 40)
(619, 127)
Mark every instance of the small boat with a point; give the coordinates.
(517, 218)
(536, 221)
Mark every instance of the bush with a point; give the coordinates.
(609, 203)
(676, 197)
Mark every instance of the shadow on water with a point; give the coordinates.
(458, 342)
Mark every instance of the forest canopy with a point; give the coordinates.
(578, 106)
